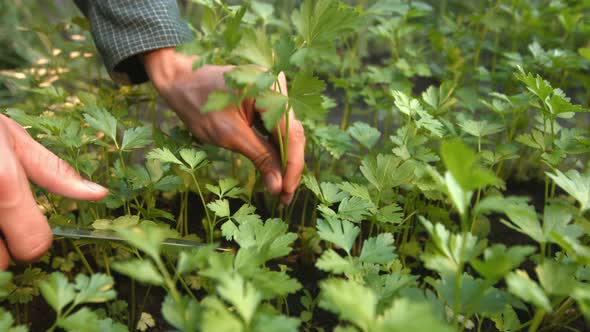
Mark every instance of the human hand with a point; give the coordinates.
(27, 235)
(186, 91)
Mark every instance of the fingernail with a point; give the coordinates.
(94, 186)
(287, 199)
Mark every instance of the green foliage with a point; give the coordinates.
(320, 22)
(61, 294)
(575, 184)
(340, 232)
(520, 284)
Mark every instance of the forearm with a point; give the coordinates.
(124, 30)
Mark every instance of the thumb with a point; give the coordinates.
(49, 171)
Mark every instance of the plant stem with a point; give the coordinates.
(131, 322)
(167, 279)
(563, 308)
(106, 263)
(537, 319)
(304, 212)
(346, 115)
(202, 200)
(82, 257)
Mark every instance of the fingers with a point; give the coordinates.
(294, 140)
(25, 228)
(47, 170)
(4, 256)
(265, 157)
(295, 157)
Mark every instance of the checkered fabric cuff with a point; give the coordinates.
(123, 29)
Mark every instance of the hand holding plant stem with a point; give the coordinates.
(27, 234)
(187, 90)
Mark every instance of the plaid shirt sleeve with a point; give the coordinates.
(123, 29)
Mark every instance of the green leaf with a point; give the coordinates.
(189, 261)
(312, 184)
(355, 190)
(240, 294)
(405, 104)
(57, 291)
(585, 52)
(146, 237)
(183, 315)
(390, 214)
(246, 75)
(82, 320)
(228, 229)
(219, 101)
(102, 120)
(341, 233)
(460, 197)
(284, 49)
(121, 222)
(164, 155)
(86, 320)
(255, 48)
(145, 321)
(7, 322)
(96, 289)
(232, 33)
(218, 318)
(475, 295)
(429, 122)
(460, 161)
(480, 128)
(142, 270)
(507, 320)
(557, 278)
(333, 139)
(378, 250)
(386, 171)
(5, 278)
(406, 315)
(535, 84)
(331, 193)
(228, 187)
(451, 249)
(412, 108)
(274, 105)
(268, 240)
(523, 217)
(557, 218)
(246, 213)
(320, 22)
(350, 301)
(135, 138)
(305, 96)
(572, 246)
(521, 285)
(193, 157)
(440, 99)
(575, 184)
(276, 323)
(364, 134)
(498, 260)
(331, 261)
(272, 284)
(220, 207)
(354, 209)
(558, 104)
